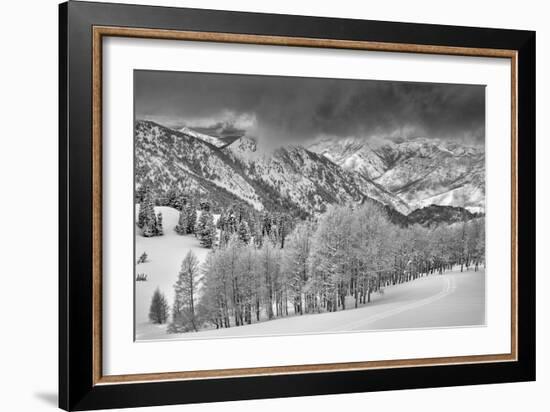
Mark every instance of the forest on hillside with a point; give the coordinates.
(262, 266)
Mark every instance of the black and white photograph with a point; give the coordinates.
(271, 205)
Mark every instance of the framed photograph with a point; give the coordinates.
(257, 205)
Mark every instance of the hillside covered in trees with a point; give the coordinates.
(254, 266)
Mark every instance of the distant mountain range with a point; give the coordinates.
(402, 176)
(421, 172)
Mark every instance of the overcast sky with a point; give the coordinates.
(298, 109)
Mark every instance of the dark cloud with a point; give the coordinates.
(295, 109)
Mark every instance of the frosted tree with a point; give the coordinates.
(147, 219)
(283, 228)
(480, 244)
(244, 232)
(266, 222)
(158, 311)
(205, 205)
(214, 306)
(145, 207)
(191, 217)
(143, 258)
(331, 256)
(182, 228)
(150, 228)
(295, 265)
(232, 267)
(159, 228)
(184, 317)
(251, 281)
(172, 198)
(475, 242)
(206, 229)
(268, 269)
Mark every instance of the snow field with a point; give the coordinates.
(165, 254)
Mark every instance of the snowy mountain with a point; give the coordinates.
(167, 159)
(291, 178)
(420, 172)
(307, 178)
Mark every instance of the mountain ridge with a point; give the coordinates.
(291, 178)
(419, 171)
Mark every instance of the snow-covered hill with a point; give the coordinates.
(419, 171)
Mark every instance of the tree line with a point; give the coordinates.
(268, 266)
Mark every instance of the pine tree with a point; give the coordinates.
(232, 223)
(191, 218)
(143, 200)
(142, 258)
(147, 220)
(206, 229)
(150, 230)
(244, 232)
(140, 192)
(184, 316)
(158, 311)
(183, 222)
(160, 230)
(205, 206)
(173, 198)
(266, 223)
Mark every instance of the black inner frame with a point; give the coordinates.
(76, 388)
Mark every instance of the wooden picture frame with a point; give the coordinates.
(83, 26)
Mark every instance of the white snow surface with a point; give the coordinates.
(453, 299)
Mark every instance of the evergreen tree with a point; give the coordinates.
(183, 222)
(142, 258)
(206, 229)
(266, 223)
(184, 317)
(144, 198)
(173, 199)
(205, 206)
(158, 311)
(147, 220)
(231, 223)
(180, 202)
(191, 218)
(244, 232)
(150, 229)
(140, 193)
(160, 230)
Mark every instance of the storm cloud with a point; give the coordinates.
(297, 109)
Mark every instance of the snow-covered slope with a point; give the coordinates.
(204, 137)
(419, 171)
(165, 254)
